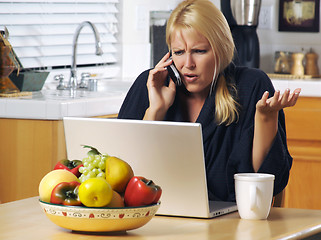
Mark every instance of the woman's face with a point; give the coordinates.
(194, 59)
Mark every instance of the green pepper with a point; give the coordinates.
(66, 193)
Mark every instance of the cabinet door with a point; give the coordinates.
(28, 150)
(303, 123)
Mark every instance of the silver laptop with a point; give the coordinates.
(169, 153)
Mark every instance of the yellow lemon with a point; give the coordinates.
(95, 192)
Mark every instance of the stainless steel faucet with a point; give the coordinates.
(72, 84)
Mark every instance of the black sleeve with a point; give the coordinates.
(136, 101)
(278, 160)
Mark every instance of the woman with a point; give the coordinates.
(241, 115)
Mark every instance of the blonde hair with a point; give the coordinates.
(203, 16)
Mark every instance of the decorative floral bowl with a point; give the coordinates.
(87, 219)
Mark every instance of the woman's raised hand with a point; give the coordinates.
(266, 122)
(279, 101)
(161, 97)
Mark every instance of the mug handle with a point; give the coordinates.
(253, 197)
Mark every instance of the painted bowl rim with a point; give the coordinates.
(98, 208)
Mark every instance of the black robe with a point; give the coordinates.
(227, 149)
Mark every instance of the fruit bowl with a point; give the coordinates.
(79, 218)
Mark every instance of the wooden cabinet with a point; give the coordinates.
(29, 149)
(303, 123)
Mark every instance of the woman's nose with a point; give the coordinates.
(189, 61)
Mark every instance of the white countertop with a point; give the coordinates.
(309, 87)
(54, 104)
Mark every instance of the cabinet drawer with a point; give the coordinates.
(303, 121)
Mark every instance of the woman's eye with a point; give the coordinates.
(178, 52)
(201, 51)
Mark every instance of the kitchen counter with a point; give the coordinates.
(54, 104)
(309, 87)
(24, 219)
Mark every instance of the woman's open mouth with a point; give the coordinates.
(190, 77)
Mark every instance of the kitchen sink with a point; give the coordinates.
(104, 89)
(68, 95)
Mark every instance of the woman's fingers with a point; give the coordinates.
(285, 97)
(172, 85)
(164, 61)
(294, 97)
(166, 56)
(156, 77)
(278, 101)
(273, 101)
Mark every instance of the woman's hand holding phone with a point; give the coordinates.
(161, 97)
(173, 73)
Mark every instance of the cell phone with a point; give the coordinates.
(173, 73)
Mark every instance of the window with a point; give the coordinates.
(41, 31)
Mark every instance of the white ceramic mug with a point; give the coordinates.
(254, 193)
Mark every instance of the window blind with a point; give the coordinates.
(41, 31)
